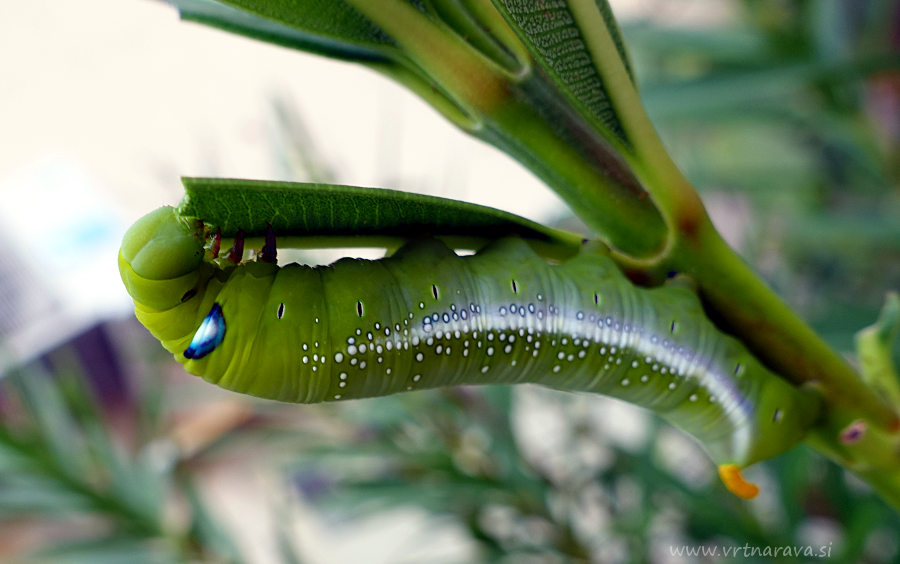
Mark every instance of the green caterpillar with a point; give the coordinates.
(425, 317)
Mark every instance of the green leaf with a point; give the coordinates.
(556, 34)
(744, 90)
(329, 27)
(874, 345)
(56, 429)
(206, 528)
(104, 550)
(726, 46)
(356, 216)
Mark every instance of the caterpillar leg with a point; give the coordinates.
(236, 253)
(736, 484)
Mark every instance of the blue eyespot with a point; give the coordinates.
(208, 336)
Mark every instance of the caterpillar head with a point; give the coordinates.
(160, 259)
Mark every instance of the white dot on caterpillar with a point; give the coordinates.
(305, 359)
(570, 358)
(315, 368)
(693, 397)
(315, 358)
(380, 359)
(354, 361)
(342, 376)
(635, 364)
(362, 365)
(421, 306)
(342, 384)
(389, 345)
(490, 351)
(645, 378)
(484, 369)
(420, 357)
(429, 341)
(387, 371)
(417, 377)
(370, 336)
(351, 350)
(581, 353)
(415, 341)
(556, 368)
(625, 381)
(337, 396)
(507, 349)
(379, 349)
(359, 331)
(712, 399)
(672, 385)
(438, 349)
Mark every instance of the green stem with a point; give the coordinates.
(769, 327)
(778, 337)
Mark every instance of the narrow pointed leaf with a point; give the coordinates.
(356, 214)
(329, 28)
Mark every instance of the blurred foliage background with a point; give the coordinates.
(786, 115)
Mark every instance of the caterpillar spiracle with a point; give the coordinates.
(425, 317)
